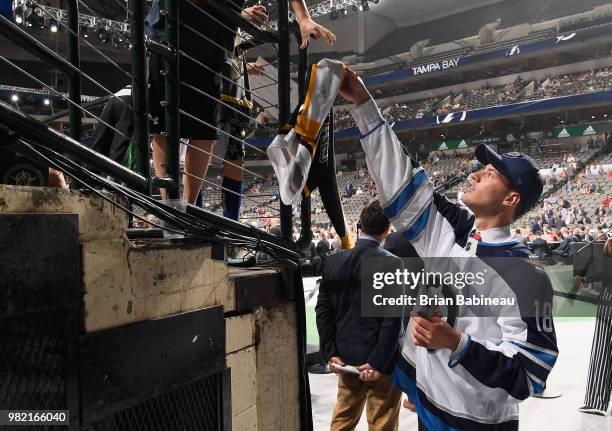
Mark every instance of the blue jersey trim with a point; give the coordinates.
(419, 225)
(409, 387)
(454, 363)
(498, 244)
(406, 194)
(378, 126)
(547, 358)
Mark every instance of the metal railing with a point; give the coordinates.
(40, 142)
(171, 52)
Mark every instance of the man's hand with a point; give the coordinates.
(409, 405)
(255, 14)
(434, 333)
(309, 28)
(353, 89)
(335, 360)
(578, 283)
(367, 373)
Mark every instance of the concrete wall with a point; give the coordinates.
(125, 282)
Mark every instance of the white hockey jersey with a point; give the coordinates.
(500, 360)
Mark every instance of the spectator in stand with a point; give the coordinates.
(587, 236)
(518, 236)
(275, 227)
(564, 203)
(584, 219)
(323, 248)
(349, 189)
(534, 225)
(539, 246)
(559, 222)
(564, 247)
(600, 235)
(570, 219)
(514, 92)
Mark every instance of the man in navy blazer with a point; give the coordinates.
(370, 344)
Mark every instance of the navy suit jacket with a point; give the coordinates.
(343, 332)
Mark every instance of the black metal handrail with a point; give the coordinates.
(31, 129)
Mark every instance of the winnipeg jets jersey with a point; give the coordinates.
(500, 360)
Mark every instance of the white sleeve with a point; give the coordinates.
(405, 192)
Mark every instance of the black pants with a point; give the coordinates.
(599, 381)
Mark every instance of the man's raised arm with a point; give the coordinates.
(404, 190)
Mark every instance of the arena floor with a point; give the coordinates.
(560, 414)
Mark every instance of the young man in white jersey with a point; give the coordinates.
(470, 375)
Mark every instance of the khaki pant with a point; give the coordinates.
(381, 397)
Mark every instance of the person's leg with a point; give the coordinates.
(203, 134)
(233, 172)
(196, 164)
(159, 158)
(383, 405)
(349, 404)
(600, 367)
(232, 188)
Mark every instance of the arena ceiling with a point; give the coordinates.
(111, 9)
(408, 12)
(384, 16)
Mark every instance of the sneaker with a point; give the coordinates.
(592, 411)
(291, 151)
(547, 394)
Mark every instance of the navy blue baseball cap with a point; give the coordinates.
(521, 171)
